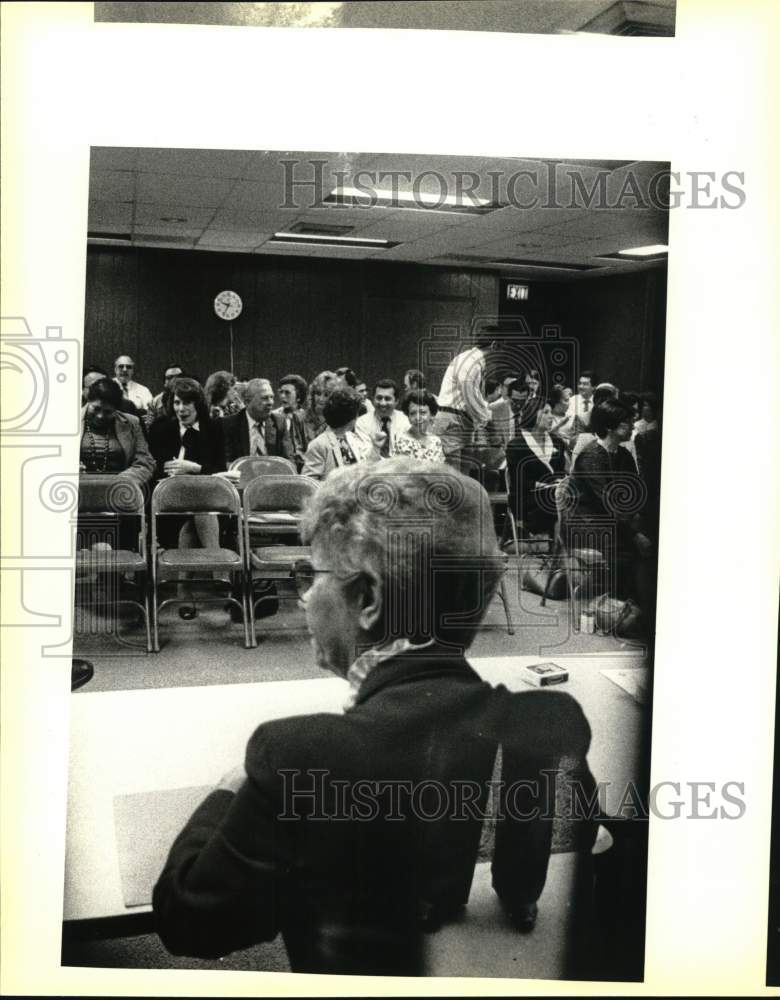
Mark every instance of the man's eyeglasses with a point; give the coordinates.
(305, 574)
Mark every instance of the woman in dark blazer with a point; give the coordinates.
(189, 444)
(535, 461)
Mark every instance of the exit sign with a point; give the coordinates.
(517, 293)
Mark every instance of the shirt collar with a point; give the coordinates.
(192, 427)
(367, 662)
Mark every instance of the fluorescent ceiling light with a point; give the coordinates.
(313, 239)
(420, 200)
(651, 251)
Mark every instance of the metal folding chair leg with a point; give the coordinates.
(505, 601)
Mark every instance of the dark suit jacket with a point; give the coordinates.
(207, 449)
(525, 469)
(609, 493)
(311, 847)
(236, 433)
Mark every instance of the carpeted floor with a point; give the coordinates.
(210, 649)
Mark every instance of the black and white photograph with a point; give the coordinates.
(390, 558)
(636, 18)
(370, 471)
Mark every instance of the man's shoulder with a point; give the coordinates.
(233, 421)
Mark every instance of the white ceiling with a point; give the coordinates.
(527, 16)
(226, 200)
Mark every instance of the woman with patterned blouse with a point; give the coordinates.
(420, 407)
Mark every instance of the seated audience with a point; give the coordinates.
(418, 442)
(94, 374)
(221, 396)
(413, 379)
(603, 392)
(320, 388)
(362, 390)
(283, 845)
(386, 422)
(112, 442)
(292, 393)
(498, 431)
(534, 382)
(189, 444)
(161, 405)
(647, 442)
(535, 462)
(256, 430)
(139, 395)
(339, 444)
(609, 500)
(347, 379)
(579, 409)
(649, 411)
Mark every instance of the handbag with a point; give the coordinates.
(622, 618)
(540, 575)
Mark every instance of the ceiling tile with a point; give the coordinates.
(225, 163)
(171, 189)
(111, 185)
(243, 241)
(107, 217)
(173, 215)
(113, 158)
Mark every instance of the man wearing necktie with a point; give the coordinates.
(580, 408)
(256, 430)
(385, 422)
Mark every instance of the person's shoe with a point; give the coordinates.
(523, 917)
(81, 671)
(236, 614)
(187, 612)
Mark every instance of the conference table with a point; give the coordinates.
(135, 753)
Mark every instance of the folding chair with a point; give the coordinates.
(273, 505)
(189, 495)
(516, 525)
(105, 503)
(576, 559)
(252, 466)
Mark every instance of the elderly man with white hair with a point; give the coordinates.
(256, 430)
(353, 833)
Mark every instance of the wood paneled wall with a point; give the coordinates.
(617, 323)
(300, 315)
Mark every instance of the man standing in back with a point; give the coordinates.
(139, 395)
(463, 408)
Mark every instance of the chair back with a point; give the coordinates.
(252, 466)
(105, 500)
(287, 493)
(195, 495)
(115, 495)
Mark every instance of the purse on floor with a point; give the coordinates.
(536, 571)
(622, 618)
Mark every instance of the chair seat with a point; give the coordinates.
(109, 560)
(274, 517)
(587, 557)
(199, 559)
(278, 557)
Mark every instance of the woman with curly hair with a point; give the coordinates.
(320, 388)
(221, 395)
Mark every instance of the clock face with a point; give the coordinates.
(228, 305)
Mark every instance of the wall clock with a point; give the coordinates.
(228, 305)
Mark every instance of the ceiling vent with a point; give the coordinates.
(320, 229)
